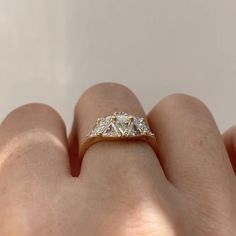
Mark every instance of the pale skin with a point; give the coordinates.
(121, 188)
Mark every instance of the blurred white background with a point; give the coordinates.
(52, 50)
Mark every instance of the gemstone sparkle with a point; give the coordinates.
(120, 124)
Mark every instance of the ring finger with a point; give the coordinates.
(113, 162)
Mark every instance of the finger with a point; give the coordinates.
(33, 143)
(230, 143)
(191, 148)
(119, 162)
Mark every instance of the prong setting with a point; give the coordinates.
(120, 124)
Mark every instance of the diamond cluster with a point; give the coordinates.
(120, 124)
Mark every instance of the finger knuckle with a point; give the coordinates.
(104, 90)
(183, 101)
(38, 109)
(181, 105)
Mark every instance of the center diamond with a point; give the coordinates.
(122, 123)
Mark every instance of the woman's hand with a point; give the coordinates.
(123, 188)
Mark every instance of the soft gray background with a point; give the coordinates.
(52, 50)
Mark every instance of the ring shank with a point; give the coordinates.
(88, 142)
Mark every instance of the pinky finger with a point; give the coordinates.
(230, 143)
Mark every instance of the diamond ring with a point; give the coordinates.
(117, 127)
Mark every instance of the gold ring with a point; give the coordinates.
(119, 127)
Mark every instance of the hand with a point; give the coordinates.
(123, 189)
